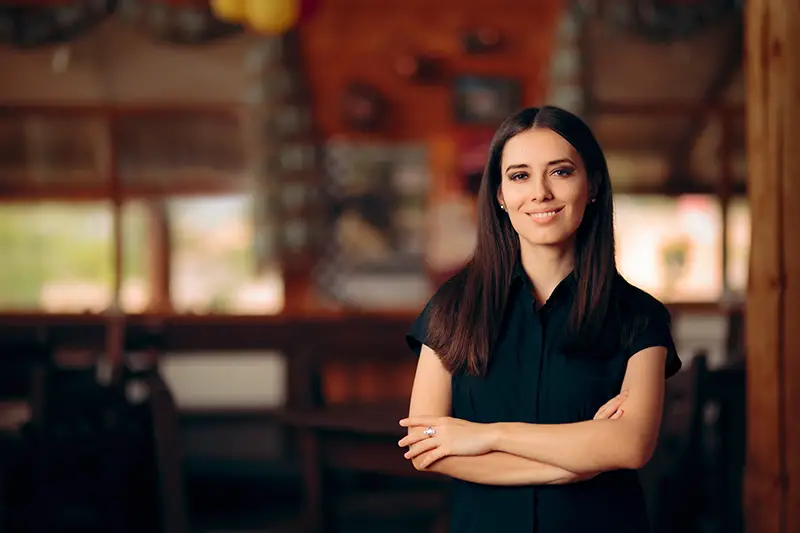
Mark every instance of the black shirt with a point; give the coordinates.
(530, 379)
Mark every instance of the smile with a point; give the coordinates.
(544, 216)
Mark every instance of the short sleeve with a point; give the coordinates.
(657, 332)
(418, 334)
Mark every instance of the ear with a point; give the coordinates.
(500, 200)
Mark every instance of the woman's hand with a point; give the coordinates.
(612, 409)
(451, 436)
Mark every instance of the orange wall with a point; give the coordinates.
(359, 40)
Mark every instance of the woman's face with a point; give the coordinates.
(543, 187)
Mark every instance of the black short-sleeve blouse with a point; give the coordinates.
(531, 379)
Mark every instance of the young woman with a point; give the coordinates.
(519, 350)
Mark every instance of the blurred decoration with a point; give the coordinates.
(286, 171)
(375, 256)
(270, 17)
(479, 41)
(663, 20)
(565, 78)
(179, 22)
(486, 100)
(47, 22)
(418, 68)
(233, 11)
(28, 25)
(674, 260)
(363, 107)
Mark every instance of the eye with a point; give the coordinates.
(518, 176)
(563, 172)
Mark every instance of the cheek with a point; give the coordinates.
(577, 198)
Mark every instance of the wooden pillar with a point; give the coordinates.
(159, 271)
(772, 493)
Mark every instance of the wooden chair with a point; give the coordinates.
(24, 375)
(673, 478)
(357, 437)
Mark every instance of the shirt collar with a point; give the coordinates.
(563, 289)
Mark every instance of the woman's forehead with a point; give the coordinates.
(537, 147)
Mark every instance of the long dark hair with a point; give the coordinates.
(466, 314)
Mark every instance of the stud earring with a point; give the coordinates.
(593, 200)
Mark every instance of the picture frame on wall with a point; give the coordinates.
(486, 100)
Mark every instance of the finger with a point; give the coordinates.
(433, 456)
(603, 412)
(611, 406)
(412, 438)
(606, 405)
(421, 448)
(617, 414)
(419, 421)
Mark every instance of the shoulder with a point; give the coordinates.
(649, 322)
(444, 300)
(637, 305)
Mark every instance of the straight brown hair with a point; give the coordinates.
(466, 313)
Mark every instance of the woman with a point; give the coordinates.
(519, 349)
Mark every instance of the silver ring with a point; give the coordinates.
(429, 431)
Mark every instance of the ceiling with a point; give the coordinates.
(650, 103)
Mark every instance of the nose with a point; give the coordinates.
(540, 189)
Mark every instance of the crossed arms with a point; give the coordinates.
(535, 454)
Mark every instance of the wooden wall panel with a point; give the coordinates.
(772, 494)
(359, 40)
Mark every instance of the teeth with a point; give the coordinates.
(544, 215)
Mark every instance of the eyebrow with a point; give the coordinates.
(559, 161)
(550, 164)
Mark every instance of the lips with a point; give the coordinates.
(545, 215)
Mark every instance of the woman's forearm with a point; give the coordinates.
(498, 468)
(581, 447)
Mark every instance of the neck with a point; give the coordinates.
(546, 266)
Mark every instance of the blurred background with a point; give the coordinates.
(217, 221)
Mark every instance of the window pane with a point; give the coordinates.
(671, 247)
(213, 264)
(738, 245)
(56, 257)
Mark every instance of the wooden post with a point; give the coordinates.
(772, 493)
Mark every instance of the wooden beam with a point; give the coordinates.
(772, 493)
(724, 76)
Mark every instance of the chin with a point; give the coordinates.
(548, 236)
(548, 240)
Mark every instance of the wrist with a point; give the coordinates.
(495, 435)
